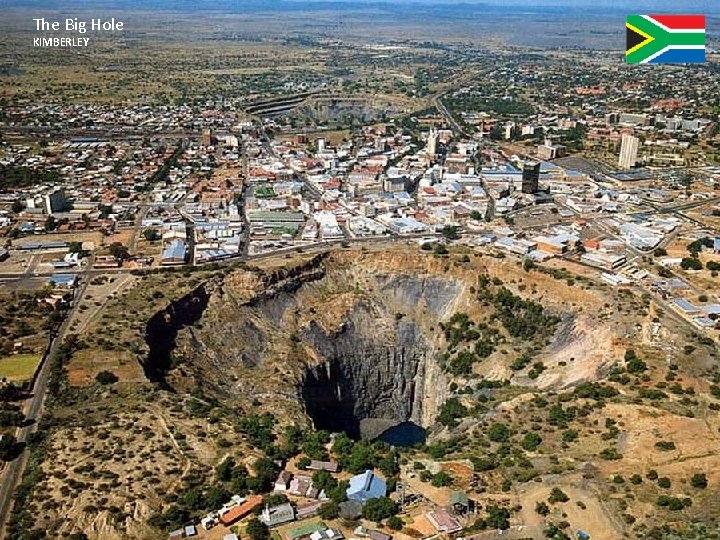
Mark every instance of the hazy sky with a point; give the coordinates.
(624, 6)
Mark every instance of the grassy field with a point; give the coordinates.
(19, 367)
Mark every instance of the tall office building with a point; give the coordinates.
(55, 201)
(432, 142)
(628, 151)
(207, 137)
(531, 177)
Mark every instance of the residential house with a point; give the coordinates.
(329, 466)
(443, 521)
(283, 481)
(277, 515)
(327, 534)
(308, 509)
(366, 486)
(300, 486)
(241, 510)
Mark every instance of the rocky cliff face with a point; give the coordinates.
(339, 345)
(372, 376)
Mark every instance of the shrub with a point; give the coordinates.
(699, 481)
(441, 479)
(690, 263)
(531, 441)
(498, 518)
(610, 454)
(665, 446)
(557, 495)
(257, 530)
(395, 523)
(499, 432)
(542, 508)
(378, 509)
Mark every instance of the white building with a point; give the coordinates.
(628, 151)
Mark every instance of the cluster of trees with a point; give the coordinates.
(379, 509)
(10, 413)
(13, 176)
(503, 107)
(522, 318)
(451, 411)
(161, 174)
(633, 364)
(9, 447)
(461, 331)
(358, 456)
(693, 262)
(497, 517)
(58, 373)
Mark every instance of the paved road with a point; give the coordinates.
(33, 411)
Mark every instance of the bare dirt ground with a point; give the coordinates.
(593, 519)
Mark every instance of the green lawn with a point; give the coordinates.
(19, 367)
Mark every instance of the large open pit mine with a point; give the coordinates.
(345, 342)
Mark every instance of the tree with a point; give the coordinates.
(542, 508)
(119, 251)
(9, 447)
(323, 480)
(531, 441)
(441, 479)
(216, 496)
(151, 235)
(499, 432)
(329, 510)
(17, 206)
(690, 263)
(362, 457)
(50, 223)
(699, 481)
(395, 523)
(450, 232)
(224, 471)
(193, 499)
(378, 509)
(389, 465)
(450, 411)
(498, 518)
(257, 530)
(342, 445)
(557, 495)
(265, 473)
(634, 364)
(106, 377)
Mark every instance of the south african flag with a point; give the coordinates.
(665, 39)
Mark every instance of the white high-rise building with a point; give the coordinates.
(432, 142)
(628, 151)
